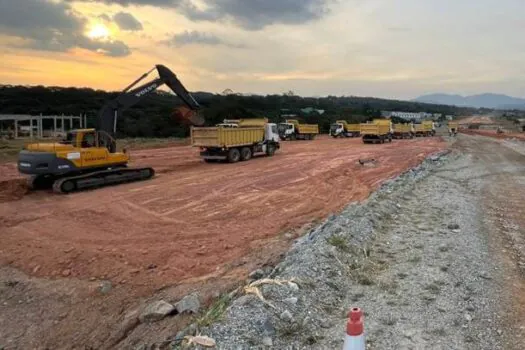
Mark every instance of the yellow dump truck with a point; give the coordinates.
(453, 128)
(341, 128)
(403, 131)
(236, 140)
(293, 130)
(377, 131)
(425, 128)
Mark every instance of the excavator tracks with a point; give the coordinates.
(101, 178)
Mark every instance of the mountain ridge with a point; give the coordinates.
(485, 100)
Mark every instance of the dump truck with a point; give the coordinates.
(341, 128)
(425, 128)
(403, 131)
(377, 131)
(236, 140)
(453, 128)
(293, 130)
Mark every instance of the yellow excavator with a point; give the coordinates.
(88, 158)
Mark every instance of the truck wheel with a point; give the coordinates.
(312, 137)
(246, 153)
(234, 155)
(270, 150)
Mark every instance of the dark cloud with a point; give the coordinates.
(159, 3)
(126, 21)
(51, 26)
(257, 14)
(193, 37)
(249, 14)
(199, 38)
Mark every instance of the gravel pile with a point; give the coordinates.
(407, 256)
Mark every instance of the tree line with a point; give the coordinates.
(152, 117)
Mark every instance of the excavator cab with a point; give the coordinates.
(90, 138)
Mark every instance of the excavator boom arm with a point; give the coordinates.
(131, 95)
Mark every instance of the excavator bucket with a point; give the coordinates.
(186, 116)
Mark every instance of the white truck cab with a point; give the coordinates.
(337, 129)
(285, 130)
(271, 133)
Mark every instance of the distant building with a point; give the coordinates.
(408, 115)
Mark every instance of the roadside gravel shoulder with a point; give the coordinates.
(414, 257)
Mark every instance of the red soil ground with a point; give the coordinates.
(195, 226)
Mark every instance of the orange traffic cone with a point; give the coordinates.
(355, 335)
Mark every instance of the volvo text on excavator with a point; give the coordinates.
(88, 158)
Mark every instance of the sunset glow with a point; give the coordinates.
(99, 31)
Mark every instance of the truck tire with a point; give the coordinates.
(246, 153)
(234, 155)
(270, 150)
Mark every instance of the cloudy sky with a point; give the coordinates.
(384, 48)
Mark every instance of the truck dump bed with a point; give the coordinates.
(349, 127)
(218, 137)
(425, 126)
(402, 128)
(376, 128)
(304, 128)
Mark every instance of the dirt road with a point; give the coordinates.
(436, 260)
(196, 225)
(494, 134)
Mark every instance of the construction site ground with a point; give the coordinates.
(435, 258)
(73, 265)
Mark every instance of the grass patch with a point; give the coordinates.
(215, 311)
(290, 329)
(339, 242)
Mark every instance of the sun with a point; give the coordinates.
(98, 31)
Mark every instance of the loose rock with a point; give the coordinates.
(267, 341)
(286, 316)
(190, 303)
(293, 286)
(105, 287)
(291, 301)
(156, 311)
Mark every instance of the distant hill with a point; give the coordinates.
(496, 101)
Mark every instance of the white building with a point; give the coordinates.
(409, 115)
